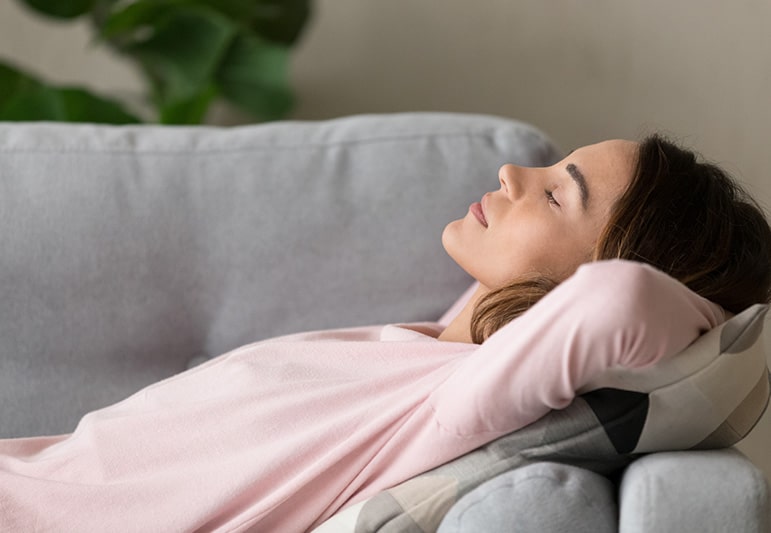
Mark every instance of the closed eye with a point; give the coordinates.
(550, 197)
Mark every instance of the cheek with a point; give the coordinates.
(470, 248)
(494, 258)
(551, 251)
(566, 253)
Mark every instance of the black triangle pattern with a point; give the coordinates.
(622, 414)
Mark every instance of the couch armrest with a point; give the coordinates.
(537, 498)
(705, 491)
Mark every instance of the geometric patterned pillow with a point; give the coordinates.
(709, 396)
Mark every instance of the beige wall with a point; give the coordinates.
(582, 70)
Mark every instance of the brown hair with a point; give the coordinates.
(687, 218)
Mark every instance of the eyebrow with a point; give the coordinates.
(578, 177)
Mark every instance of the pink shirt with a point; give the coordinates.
(281, 434)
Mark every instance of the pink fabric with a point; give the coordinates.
(281, 434)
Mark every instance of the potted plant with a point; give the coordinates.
(190, 52)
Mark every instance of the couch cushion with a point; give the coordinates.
(130, 252)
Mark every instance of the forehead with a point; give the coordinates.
(616, 153)
(608, 165)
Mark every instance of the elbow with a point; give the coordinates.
(648, 313)
(624, 297)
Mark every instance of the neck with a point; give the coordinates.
(459, 330)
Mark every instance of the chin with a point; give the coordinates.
(453, 240)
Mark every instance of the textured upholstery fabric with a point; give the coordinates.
(579, 501)
(711, 491)
(130, 253)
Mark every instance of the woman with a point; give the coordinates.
(686, 218)
(279, 435)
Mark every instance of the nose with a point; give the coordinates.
(507, 175)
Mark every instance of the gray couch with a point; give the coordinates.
(131, 254)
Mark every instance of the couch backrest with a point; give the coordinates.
(129, 253)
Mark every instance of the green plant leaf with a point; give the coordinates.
(35, 103)
(253, 75)
(139, 15)
(23, 98)
(191, 51)
(122, 24)
(280, 21)
(190, 110)
(80, 105)
(12, 81)
(63, 9)
(183, 52)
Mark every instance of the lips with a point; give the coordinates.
(477, 210)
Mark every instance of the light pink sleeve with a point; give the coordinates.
(608, 313)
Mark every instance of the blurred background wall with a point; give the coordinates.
(582, 71)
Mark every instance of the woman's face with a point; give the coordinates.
(542, 220)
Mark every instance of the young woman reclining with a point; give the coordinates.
(623, 254)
